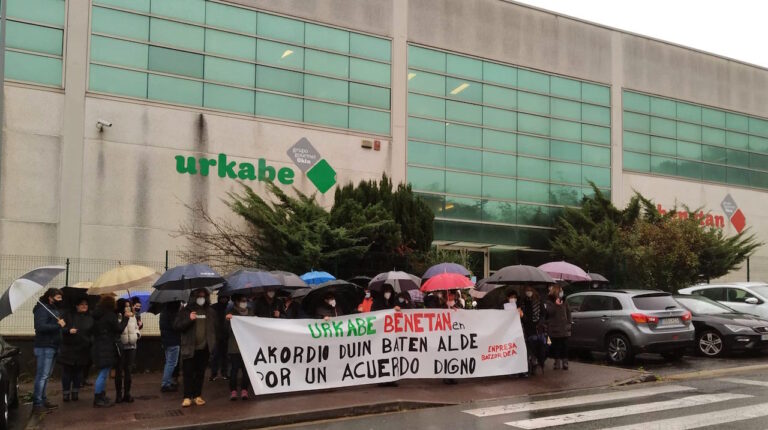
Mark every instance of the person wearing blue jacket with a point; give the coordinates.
(48, 328)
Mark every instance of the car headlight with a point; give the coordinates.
(738, 328)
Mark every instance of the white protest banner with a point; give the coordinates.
(292, 355)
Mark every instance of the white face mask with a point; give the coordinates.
(560, 294)
(332, 303)
(451, 303)
(401, 300)
(439, 295)
(387, 295)
(513, 301)
(243, 305)
(529, 294)
(367, 294)
(200, 301)
(270, 294)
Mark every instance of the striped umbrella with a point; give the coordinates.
(27, 286)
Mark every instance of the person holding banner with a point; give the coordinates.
(386, 300)
(533, 321)
(235, 359)
(267, 306)
(197, 324)
(328, 309)
(367, 303)
(404, 301)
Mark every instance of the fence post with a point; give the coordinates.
(66, 281)
(166, 259)
(747, 269)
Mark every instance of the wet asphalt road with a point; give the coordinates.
(657, 365)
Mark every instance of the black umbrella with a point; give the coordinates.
(288, 280)
(159, 298)
(596, 277)
(249, 282)
(347, 295)
(520, 274)
(495, 298)
(73, 295)
(484, 286)
(188, 277)
(360, 281)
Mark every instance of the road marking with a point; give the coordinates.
(745, 381)
(643, 408)
(702, 420)
(576, 401)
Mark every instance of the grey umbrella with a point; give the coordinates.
(159, 298)
(27, 286)
(596, 277)
(400, 281)
(288, 280)
(520, 274)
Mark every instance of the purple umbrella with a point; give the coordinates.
(438, 269)
(562, 271)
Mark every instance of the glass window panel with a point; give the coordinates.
(736, 140)
(601, 176)
(713, 117)
(689, 131)
(758, 179)
(175, 90)
(277, 27)
(688, 150)
(663, 165)
(663, 127)
(499, 118)
(42, 11)
(368, 95)
(369, 120)
(533, 145)
(498, 73)
(34, 38)
(176, 62)
(326, 114)
(710, 172)
(664, 146)
(566, 109)
(228, 98)
(279, 80)
(176, 34)
(758, 126)
(233, 72)
(758, 144)
(737, 176)
(231, 45)
(427, 179)
(713, 154)
(426, 58)
(596, 114)
(464, 90)
(713, 135)
(637, 142)
(113, 51)
(758, 161)
(737, 158)
(464, 66)
(564, 194)
(499, 188)
(117, 81)
(736, 122)
(498, 96)
(463, 112)
(426, 106)
(425, 129)
(533, 103)
(568, 151)
(326, 88)
(532, 168)
(637, 162)
(537, 192)
(426, 82)
(595, 134)
(531, 80)
(324, 37)
(139, 5)
(565, 87)
(636, 102)
(494, 211)
(463, 183)
(329, 64)
(689, 112)
(637, 122)
(595, 94)
(428, 154)
(533, 215)
(119, 23)
(230, 17)
(279, 106)
(499, 164)
(565, 172)
(499, 140)
(462, 208)
(463, 159)
(533, 124)
(596, 155)
(280, 54)
(663, 107)
(187, 10)
(689, 169)
(369, 71)
(566, 129)
(464, 135)
(369, 46)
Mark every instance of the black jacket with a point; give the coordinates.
(106, 337)
(47, 328)
(168, 335)
(263, 308)
(532, 324)
(186, 328)
(76, 348)
(380, 303)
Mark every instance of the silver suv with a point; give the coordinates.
(623, 323)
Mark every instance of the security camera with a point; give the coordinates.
(101, 123)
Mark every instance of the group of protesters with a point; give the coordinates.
(197, 336)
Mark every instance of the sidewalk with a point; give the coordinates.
(153, 409)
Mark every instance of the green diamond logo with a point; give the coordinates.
(322, 175)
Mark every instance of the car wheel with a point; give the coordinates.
(4, 410)
(618, 348)
(710, 344)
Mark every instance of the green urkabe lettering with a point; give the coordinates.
(227, 168)
(355, 327)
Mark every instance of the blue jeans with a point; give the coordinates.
(45, 357)
(171, 360)
(100, 386)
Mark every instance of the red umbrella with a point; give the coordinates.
(446, 281)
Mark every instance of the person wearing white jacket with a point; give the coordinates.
(126, 353)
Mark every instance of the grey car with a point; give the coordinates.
(623, 323)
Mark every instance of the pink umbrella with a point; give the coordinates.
(562, 271)
(446, 281)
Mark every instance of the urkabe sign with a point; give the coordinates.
(292, 355)
(302, 153)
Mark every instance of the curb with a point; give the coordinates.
(714, 373)
(645, 377)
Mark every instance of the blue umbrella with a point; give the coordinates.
(188, 277)
(445, 268)
(317, 278)
(143, 298)
(249, 282)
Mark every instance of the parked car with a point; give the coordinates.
(746, 297)
(626, 322)
(9, 377)
(720, 329)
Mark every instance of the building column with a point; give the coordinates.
(399, 90)
(617, 124)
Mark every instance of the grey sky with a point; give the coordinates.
(732, 28)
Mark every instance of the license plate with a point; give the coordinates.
(764, 337)
(669, 321)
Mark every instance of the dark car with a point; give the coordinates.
(9, 377)
(720, 329)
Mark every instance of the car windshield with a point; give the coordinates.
(761, 290)
(655, 302)
(704, 306)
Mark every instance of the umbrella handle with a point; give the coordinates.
(49, 311)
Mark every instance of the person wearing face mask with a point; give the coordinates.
(75, 349)
(404, 301)
(126, 352)
(367, 304)
(533, 321)
(291, 309)
(267, 306)
(240, 308)
(453, 300)
(435, 300)
(198, 325)
(558, 326)
(329, 308)
(512, 302)
(386, 300)
(48, 330)
(219, 357)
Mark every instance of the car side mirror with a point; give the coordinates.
(751, 301)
